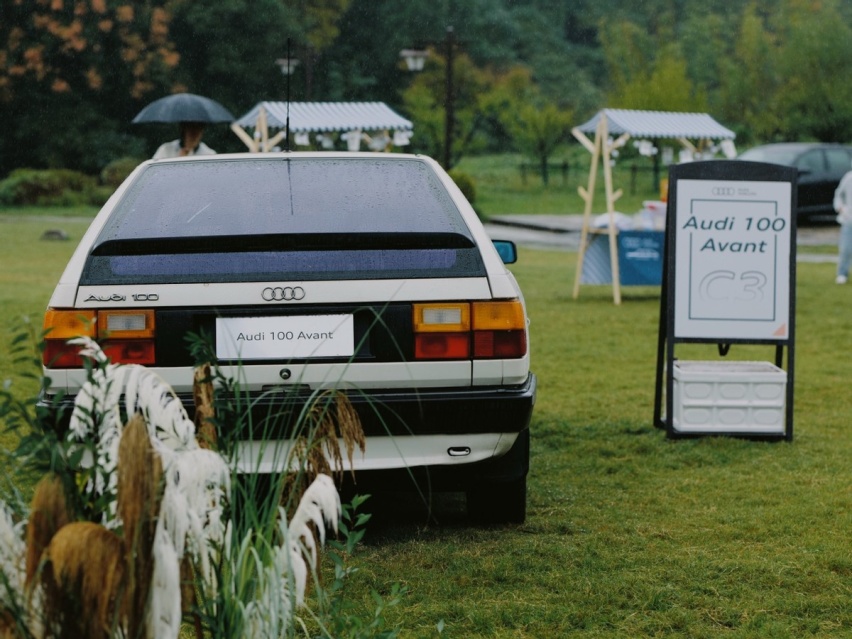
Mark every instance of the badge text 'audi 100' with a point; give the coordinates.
(368, 274)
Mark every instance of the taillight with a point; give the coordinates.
(499, 330)
(442, 331)
(126, 336)
(462, 330)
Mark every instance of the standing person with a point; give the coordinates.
(843, 206)
(189, 143)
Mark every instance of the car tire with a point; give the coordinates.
(498, 502)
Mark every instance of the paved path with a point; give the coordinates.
(562, 232)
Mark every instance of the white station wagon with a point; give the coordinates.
(366, 273)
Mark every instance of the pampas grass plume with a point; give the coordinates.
(83, 576)
(140, 485)
(49, 511)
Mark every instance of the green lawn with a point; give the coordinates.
(629, 534)
(503, 188)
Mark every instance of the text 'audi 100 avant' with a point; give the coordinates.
(364, 273)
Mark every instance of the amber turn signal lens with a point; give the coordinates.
(68, 324)
(496, 316)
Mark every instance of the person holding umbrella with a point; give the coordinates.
(189, 143)
(192, 112)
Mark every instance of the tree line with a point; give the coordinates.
(73, 73)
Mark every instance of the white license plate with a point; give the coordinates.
(303, 336)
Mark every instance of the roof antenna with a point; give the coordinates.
(287, 125)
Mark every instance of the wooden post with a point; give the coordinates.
(611, 197)
(601, 151)
(588, 196)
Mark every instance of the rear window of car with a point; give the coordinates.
(838, 160)
(283, 218)
(773, 155)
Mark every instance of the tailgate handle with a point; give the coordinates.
(458, 451)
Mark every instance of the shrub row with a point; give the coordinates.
(63, 187)
(66, 187)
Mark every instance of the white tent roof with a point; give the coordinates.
(659, 124)
(328, 116)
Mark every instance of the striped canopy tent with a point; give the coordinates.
(372, 122)
(695, 131)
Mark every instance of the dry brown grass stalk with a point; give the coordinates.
(202, 392)
(140, 489)
(83, 576)
(49, 511)
(9, 626)
(319, 451)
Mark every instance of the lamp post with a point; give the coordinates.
(287, 66)
(414, 60)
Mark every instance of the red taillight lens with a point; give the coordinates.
(442, 346)
(130, 351)
(126, 335)
(59, 354)
(499, 344)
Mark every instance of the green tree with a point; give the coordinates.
(751, 81)
(535, 125)
(425, 101)
(317, 23)
(648, 71)
(815, 94)
(539, 130)
(239, 72)
(71, 75)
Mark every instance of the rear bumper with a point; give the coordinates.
(452, 427)
(397, 413)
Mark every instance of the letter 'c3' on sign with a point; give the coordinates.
(283, 294)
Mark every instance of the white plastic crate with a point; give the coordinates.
(728, 397)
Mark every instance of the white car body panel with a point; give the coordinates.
(242, 294)
(382, 452)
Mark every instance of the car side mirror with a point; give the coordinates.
(507, 251)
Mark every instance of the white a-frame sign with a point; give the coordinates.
(728, 278)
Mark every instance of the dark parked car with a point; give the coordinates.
(821, 166)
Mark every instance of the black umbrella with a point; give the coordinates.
(184, 107)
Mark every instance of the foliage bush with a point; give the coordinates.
(466, 185)
(114, 173)
(137, 501)
(51, 187)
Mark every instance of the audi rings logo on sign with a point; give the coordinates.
(283, 293)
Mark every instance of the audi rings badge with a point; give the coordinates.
(283, 293)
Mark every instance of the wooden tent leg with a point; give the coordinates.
(588, 196)
(610, 207)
